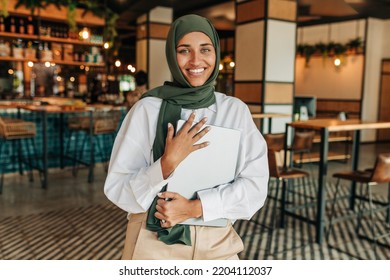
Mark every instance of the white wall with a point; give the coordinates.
(386, 39)
(337, 32)
(323, 80)
(347, 84)
(374, 54)
(158, 66)
(280, 51)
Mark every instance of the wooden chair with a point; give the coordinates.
(302, 144)
(283, 176)
(14, 131)
(368, 178)
(275, 141)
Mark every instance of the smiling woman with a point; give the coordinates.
(147, 152)
(196, 57)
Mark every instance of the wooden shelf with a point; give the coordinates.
(11, 58)
(78, 63)
(317, 139)
(48, 39)
(61, 62)
(315, 157)
(18, 36)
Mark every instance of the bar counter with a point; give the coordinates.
(52, 130)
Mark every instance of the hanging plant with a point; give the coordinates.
(323, 50)
(339, 49)
(307, 51)
(71, 17)
(31, 4)
(301, 49)
(4, 8)
(355, 44)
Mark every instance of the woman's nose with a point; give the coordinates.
(195, 58)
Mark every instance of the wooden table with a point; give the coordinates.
(324, 126)
(268, 116)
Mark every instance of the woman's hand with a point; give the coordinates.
(178, 147)
(177, 209)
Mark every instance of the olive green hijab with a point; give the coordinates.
(175, 96)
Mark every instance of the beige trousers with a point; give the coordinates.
(208, 243)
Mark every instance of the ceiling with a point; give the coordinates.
(222, 13)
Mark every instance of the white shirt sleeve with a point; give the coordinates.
(133, 181)
(246, 195)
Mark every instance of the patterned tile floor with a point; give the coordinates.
(73, 220)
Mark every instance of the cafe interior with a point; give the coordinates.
(314, 74)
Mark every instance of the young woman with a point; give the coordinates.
(147, 151)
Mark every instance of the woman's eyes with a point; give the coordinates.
(205, 50)
(183, 51)
(186, 51)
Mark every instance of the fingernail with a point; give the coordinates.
(159, 194)
(205, 119)
(169, 125)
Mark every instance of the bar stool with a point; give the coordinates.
(283, 176)
(105, 124)
(302, 144)
(370, 178)
(14, 131)
(275, 141)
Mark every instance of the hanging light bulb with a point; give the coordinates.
(117, 63)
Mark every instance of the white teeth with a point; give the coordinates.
(195, 71)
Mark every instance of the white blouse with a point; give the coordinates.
(134, 180)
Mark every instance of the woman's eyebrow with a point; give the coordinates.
(188, 45)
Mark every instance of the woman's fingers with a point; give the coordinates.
(188, 124)
(170, 133)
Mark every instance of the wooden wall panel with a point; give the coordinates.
(331, 107)
(141, 32)
(249, 92)
(278, 93)
(384, 107)
(386, 66)
(159, 31)
(250, 11)
(282, 9)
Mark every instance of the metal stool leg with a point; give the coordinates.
(2, 145)
(333, 210)
(29, 155)
(373, 224)
(273, 225)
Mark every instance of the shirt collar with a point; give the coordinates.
(213, 107)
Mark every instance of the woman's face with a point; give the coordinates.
(196, 57)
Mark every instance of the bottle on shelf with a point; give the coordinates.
(30, 26)
(2, 25)
(22, 29)
(12, 27)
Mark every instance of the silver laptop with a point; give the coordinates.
(208, 167)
